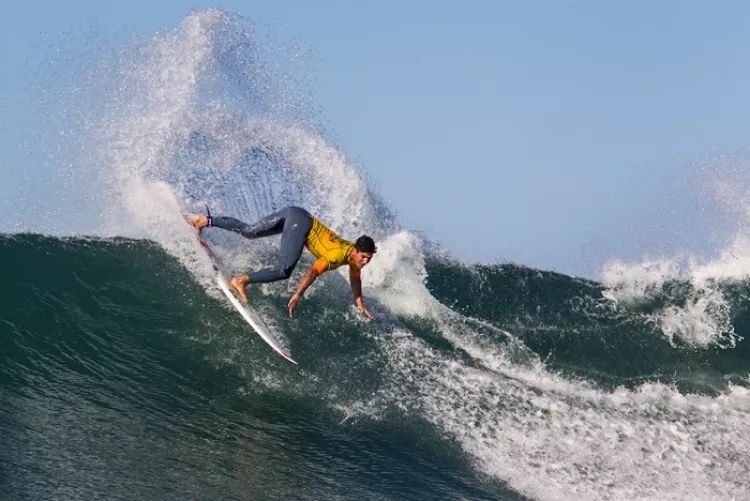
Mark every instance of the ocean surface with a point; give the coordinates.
(121, 377)
(125, 374)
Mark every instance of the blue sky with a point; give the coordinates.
(554, 134)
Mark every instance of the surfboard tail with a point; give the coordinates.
(248, 313)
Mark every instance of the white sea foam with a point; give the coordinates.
(703, 318)
(554, 439)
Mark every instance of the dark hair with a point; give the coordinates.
(365, 244)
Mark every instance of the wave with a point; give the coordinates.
(540, 382)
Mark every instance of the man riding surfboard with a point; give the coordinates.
(298, 229)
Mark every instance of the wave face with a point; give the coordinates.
(125, 375)
(121, 379)
(121, 376)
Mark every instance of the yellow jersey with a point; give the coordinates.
(330, 250)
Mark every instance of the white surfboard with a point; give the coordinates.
(249, 314)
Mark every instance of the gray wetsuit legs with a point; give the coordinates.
(293, 223)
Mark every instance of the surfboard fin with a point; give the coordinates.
(208, 216)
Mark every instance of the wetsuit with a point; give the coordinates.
(298, 230)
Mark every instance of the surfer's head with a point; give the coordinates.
(364, 249)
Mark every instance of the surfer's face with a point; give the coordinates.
(360, 259)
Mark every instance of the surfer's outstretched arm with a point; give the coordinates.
(356, 284)
(307, 279)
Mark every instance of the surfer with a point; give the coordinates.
(298, 229)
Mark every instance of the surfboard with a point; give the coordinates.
(247, 312)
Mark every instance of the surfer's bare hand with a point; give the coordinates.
(362, 308)
(367, 313)
(293, 305)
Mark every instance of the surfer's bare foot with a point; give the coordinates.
(239, 284)
(199, 222)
